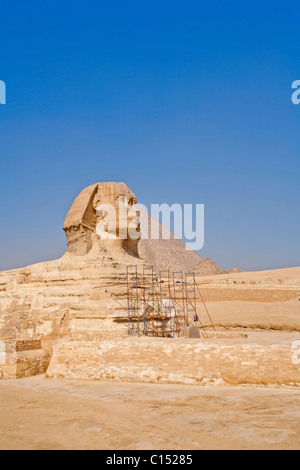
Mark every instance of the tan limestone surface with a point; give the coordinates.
(261, 359)
(85, 298)
(74, 296)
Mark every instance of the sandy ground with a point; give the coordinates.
(40, 413)
(285, 276)
(258, 315)
(278, 316)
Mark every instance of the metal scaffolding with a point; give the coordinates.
(161, 305)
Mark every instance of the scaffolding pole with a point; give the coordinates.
(161, 305)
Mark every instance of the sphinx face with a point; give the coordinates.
(117, 217)
(107, 210)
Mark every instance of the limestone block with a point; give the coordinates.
(190, 332)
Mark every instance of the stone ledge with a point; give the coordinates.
(178, 361)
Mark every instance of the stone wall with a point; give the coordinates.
(23, 364)
(180, 361)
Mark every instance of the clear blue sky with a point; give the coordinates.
(185, 101)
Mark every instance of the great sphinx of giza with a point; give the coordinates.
(81, 295)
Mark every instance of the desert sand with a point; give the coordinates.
(260, 300)
(38, 413)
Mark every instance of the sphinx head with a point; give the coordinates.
(103, 214)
